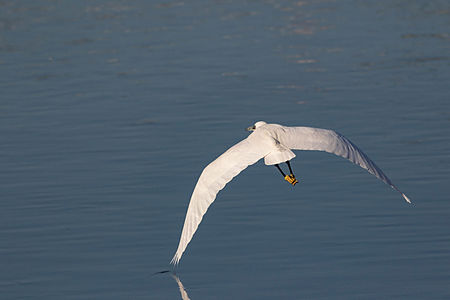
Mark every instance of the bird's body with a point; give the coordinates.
(274, 143)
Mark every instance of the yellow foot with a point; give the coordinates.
(291, 179)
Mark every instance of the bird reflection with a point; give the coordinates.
(184, 294)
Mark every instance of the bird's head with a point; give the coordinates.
(257, 124)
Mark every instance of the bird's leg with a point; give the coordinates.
(290, 169)
(279, 169)
(291, 177)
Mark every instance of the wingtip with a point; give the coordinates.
(406, 198)
(175, 260)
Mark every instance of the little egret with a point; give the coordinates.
(274, 143)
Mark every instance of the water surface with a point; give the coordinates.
(109, 110)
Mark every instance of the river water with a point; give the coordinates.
(109, 111)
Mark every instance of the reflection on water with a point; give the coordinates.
(108, 109)
(183, 293)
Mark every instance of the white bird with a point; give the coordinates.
(272, 142)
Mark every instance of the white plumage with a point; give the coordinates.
(272, 142)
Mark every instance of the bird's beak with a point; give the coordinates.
(251, 128)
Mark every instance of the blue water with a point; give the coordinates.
(109, 110)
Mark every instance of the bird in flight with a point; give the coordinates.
(274, 143)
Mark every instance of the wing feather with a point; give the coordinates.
(214, 178)
(256, 146)
(307, 138)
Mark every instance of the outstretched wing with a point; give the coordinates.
(307, 138)
(214, 178)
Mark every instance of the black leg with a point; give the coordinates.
(289, 178)
(281, 171)
(290, 170)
